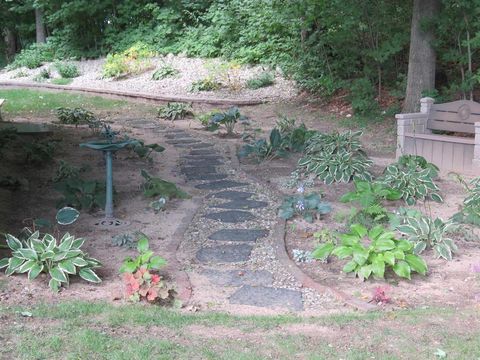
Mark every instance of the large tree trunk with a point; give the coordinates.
(40, 26)
(11, 44)
(421, 62)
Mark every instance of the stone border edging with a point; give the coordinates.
(132, 95)
(282, 255)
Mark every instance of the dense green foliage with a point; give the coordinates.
(324, 45)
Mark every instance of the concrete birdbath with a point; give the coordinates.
(108, 148)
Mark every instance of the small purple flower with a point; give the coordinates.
(301, 189)
(300, 205)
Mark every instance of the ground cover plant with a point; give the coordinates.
(175, 111)
(262, 80)
(154, 186)
(228, 119)
(75, 116)
(470, 210)
(309, 206)
(165, 71)
(132, 61)
(206, 84)
(67, 70)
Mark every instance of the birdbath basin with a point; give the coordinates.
(108, 148)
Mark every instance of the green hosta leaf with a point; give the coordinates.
(77, 243)
(404, 245)
(436, 197)
(323, 251)
(350, 266)
(384, 245)
(419, 247)
(67, 216)
(38, 246)
(27, 254)
(47, 255)
(443, 251)
(13, 264)
(364, 272)
(451, 244)
(359, 230)
(398, 254)
(13, 243)
(35, 271)
(308, 217)
(389, 258)
(145, 257)
(89, 275)
(128, 266)
(54, 285)
(67, 266)
(26, 266)
(59, 256)
(3, 263)
(58, 274)
(416, 263)
(156, 262)
(349, 239)
(407, 229)
(78, 261)
(410, 200)
(142, 245)
(378, 268)
(402, 269)
(360, 256)
(286, 212)
(342, 252)
(66, 244)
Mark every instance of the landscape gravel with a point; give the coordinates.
(190, 70)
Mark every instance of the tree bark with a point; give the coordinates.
(11, 44)
(422, 58)
(40, 26)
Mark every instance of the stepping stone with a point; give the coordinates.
(202, 152)
(175, 131)
(204, 162)
(205, 177)
(242, 204)
(178, 136)
(231, 216)
(224, 253)
(182, 141)
(238, 235)
(219, 185)
(195, 146)
(232, 195)
(202, 157)
(239, 277)
(198, 170)
(268, 297)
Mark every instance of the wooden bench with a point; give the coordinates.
(2, 101)
(458, 152)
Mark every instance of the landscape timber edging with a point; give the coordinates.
(132, 95)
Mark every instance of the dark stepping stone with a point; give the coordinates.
(232, 195)
(231, 216)
(238, 235)
(239, 277)
(218, 185)
(198, 170)
(203, 162)
(175, 131)
(225, 253)
(206, 177)
(241, 204)
(268, 297)
(201, 152)
(195, 146)
(202, 157)
(182, 141)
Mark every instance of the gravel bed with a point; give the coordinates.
(190, 70)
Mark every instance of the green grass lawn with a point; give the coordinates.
(80, 330)
(21, 101)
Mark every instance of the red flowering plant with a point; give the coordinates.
(141, 278)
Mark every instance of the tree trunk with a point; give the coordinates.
(40, 26)
(11, 44)
(421, 62)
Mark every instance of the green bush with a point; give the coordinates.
(33, 56)
(42, 76)
(206, 84)
(362, 97)
(175, 110)
(164, 72)
(263, 80)
(134, 60)
(67, 70)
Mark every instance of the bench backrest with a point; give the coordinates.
(457, 116)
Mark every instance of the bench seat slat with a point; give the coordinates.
(442, 138)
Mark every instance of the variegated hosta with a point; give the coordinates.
(426, 232)
(58, 259)
(336, 158)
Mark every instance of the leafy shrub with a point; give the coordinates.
(81, 194)
(262, 80)
(140, 276)
(40, 152)
(309, 206)
(43, 75)
(67, 70)
(144, 151)
(61, 260)
(413, 177)
(336, 157)
(206, 84)
(369, 195)
(175, 110)
(228, 119)
(426, 232)
(134, 60)
(373, 252)
(205, 118)
(127, 240)
(154, 186)
(67, 171)
(164, 72)
(470, 212)
(33, 56)
(362, 97)
(75, 116)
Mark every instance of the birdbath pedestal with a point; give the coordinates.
(108, 148)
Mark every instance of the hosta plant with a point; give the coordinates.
(428, 233)
(59, 259)
(309, 206)
(140, 277)
(470, 211)
(228, 119)
(372, 252)
(370, 196)
(175, 110)
(164, 72)
(144, 151)
(154, 186)
(414, 177)
(75, 116)
(336, 157)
